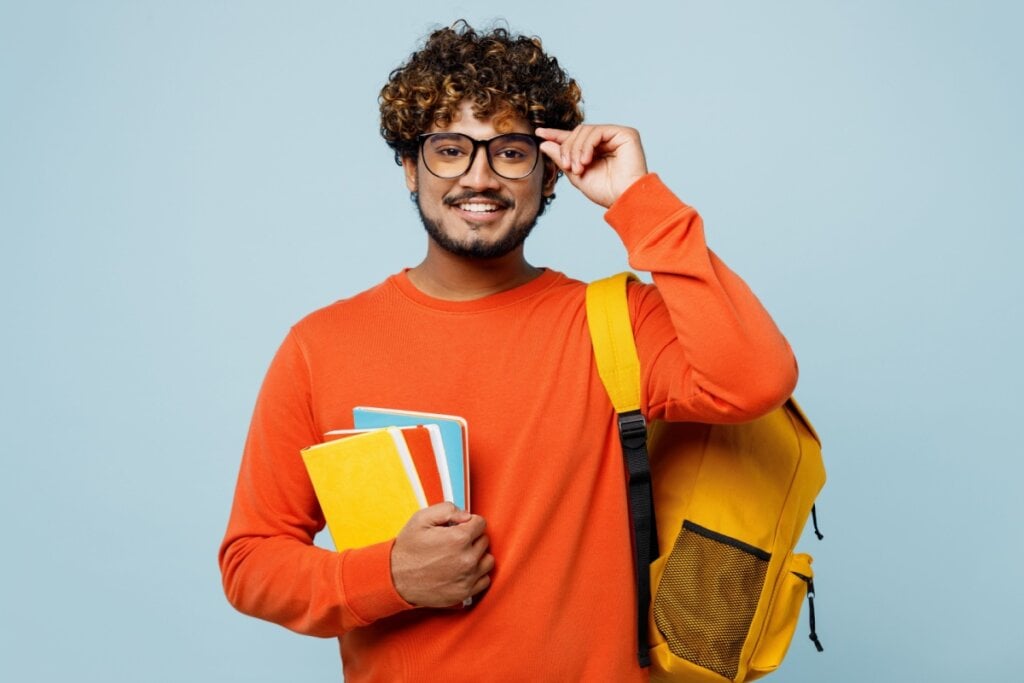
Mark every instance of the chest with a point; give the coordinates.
(524, 380)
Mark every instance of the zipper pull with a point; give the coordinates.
(810, 612)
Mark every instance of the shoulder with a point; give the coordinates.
(344, 314)
(643, 298)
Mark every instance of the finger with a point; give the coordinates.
(474, 527)
(564, 141)
(552, 147)
(588, 145)
(553, 151)
(482, 584)
(581, 148)
(573, 148)
(486, 564)
(480, 546)
(459, 516)
(554, 134)
(441, 514)
(484, 568)
(465, 534)
(598, 145)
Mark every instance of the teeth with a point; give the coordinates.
(479, 208)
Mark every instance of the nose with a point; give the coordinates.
(479, 176)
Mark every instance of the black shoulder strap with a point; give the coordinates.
(633, 435)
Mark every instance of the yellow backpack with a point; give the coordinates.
(729, 505)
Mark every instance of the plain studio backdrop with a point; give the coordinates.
(180, 182)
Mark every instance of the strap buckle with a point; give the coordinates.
(633, 428)
(633, 435)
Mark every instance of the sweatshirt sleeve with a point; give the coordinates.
(709, 351)
(269, 565)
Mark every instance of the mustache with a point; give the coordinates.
(489, 195)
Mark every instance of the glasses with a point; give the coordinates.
(512, 156)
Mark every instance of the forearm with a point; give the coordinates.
(269, 565)
(718, 356)
(308, 589)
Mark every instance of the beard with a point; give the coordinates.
(476, 248)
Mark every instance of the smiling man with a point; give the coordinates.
(483, 126)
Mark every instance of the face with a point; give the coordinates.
(479, 214)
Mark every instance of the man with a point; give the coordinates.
(483, 125)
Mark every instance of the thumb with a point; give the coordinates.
(443, 514)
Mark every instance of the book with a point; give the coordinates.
(454, 436)
(425, 461)
(367, 486)
(428, 457)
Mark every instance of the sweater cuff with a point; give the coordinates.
(367, 584)
(645, 205)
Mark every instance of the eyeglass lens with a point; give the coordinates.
(449, 155)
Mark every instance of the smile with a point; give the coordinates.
(478, 207)
(479, 204)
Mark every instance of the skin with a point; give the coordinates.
(441, 556)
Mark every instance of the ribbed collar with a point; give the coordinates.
(546, 279)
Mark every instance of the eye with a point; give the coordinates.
(509, 154)
(449, 151)
(448, 146)
(513, 148)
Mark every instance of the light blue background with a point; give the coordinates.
(179, 182)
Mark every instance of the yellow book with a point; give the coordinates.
(366, 484)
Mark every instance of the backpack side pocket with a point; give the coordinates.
(783, 616)
(708, 596)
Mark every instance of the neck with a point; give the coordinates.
(444, 275)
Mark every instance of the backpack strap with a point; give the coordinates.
(618, 365)
(612, 337)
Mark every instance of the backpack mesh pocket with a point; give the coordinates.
(707, 597)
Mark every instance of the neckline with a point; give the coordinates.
(485, 303)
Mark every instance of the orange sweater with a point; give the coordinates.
(546, 467)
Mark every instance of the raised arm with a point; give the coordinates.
(709, 350)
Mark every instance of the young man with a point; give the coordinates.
(483, 125)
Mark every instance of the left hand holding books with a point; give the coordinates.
(440, 557)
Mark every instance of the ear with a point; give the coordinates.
(409, 166)
(550, 177)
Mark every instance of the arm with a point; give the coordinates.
(708, 349)
(269, 565)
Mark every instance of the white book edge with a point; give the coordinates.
(442, 461)
(407, 463)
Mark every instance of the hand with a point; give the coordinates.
(601, 161)
(440, 557)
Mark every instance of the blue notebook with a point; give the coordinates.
(454, 436)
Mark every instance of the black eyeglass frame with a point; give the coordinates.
(477, 144)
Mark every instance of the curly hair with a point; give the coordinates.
(505, 76)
